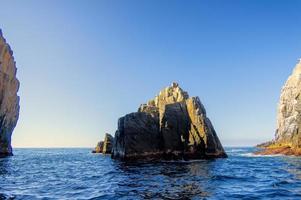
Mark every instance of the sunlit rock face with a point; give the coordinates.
(98, 148)
(288, 137)
(9, 100)
(289, 111)
(170, 126)
(108, 144)
(105, 146)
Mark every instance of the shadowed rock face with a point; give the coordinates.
(288, 135)
(9, 101)
(137, 136)
(170, 126)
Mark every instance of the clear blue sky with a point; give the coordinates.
(83, 64)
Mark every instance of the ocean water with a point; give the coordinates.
(78, 174)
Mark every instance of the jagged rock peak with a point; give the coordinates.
(9, 100)
(173, 93)
(297, 69)
(168, 95)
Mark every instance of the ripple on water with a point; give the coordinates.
(77, 174)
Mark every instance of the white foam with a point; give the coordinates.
(256, 155)
(236, 150)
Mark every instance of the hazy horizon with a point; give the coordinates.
(83, 65)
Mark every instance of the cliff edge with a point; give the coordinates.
(287, 139)
(9, 100)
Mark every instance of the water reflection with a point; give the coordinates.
(165, 180)
(78, 174)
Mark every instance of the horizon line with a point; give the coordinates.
(84, 147)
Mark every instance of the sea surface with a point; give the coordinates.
(79, 174)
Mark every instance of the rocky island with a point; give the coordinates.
(170, 126)
(287, 139)
(104, 146)
(9, 100)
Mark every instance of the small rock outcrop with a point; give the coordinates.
(170, 126)
(98, 148)
(9, 100)
(108, 144)
(105, 146)
(288, 133)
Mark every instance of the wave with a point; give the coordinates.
(74, 174)
(236, 150)
(256, 155)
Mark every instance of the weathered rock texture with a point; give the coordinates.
(288, 133)
(9, 101)
(170, 126)
(105, 146)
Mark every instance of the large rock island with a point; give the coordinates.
(170, 126)
(9, 100)
(287, 139)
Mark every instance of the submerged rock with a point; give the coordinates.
(9, 100)
(288, 135)
(105, 146)
(170, 126)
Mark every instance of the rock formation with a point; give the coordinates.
(288, 133)
(98, 148)
(105, 146)
(108, 144)
(9, 101)
(170, 126)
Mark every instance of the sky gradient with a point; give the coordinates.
(83, 64)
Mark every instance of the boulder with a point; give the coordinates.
(288, 135)
(9, 100)
(170, 126)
